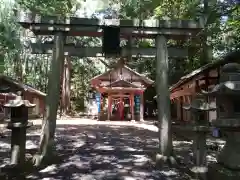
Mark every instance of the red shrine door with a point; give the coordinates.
(119, 108)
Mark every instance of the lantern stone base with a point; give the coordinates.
(7, 172)
(162, 160)
(199, 172)
(3, 176)
(217, 171)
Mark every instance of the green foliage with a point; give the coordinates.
(174, 9)
(9, 35)
(50, 7)
(33, 69)
(10, 44)
(137, 8)
(233, 28)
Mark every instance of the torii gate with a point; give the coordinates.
(160, 30)
(71, 49)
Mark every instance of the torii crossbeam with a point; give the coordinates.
(73, 50)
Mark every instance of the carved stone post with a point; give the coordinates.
(18, 124)
(200, 128)
(227, 94)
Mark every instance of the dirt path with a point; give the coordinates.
(104, 150)
(100, 152)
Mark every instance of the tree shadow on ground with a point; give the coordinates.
(182, 146)
(99, 152)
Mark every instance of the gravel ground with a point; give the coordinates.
(102, 151)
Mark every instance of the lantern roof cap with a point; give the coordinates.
(231, 68)
(227, 87)
(200, 105)
(19, 102)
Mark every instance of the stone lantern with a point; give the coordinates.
(200, 127)
(227, 95)
(18, 124)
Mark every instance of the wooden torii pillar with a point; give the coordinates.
(132, 106)
(163, 95)
(141, 117)
(109, 107)
(54, 77)
(163, 101)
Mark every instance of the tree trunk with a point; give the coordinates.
(1, 63)
(66, 86)
(52, 101)
(206, 56)
(18, 67)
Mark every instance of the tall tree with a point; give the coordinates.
(66, 85)
(10, 44)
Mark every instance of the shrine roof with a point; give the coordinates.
(104, 75)
(22, 86)
(122, 83)
(8, 94)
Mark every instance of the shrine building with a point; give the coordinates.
(120, 93)
(8, 91)
(190, 85)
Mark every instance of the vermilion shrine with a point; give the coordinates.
(124, 89)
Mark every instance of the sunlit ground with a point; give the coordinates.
(100, 152)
